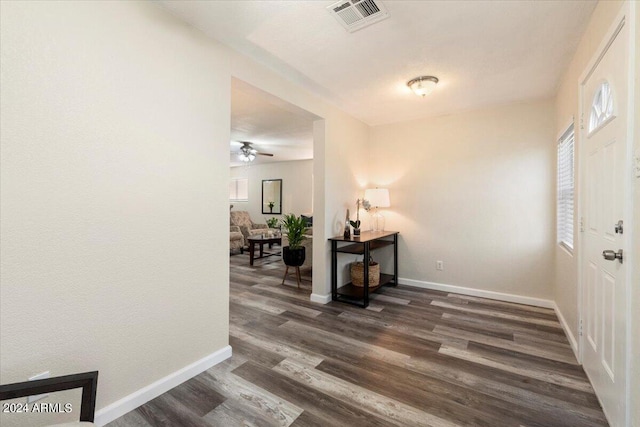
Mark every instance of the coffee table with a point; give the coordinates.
(261, 241)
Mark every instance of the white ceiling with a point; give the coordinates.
(270, 124)
(484, 53)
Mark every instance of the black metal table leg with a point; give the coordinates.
(395, 260)
(334, 270)
(366, 274)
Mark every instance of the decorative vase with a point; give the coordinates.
(293, 257)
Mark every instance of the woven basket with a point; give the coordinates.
(357, 273)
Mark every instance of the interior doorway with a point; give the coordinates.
(272, 141)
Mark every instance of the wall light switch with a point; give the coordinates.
(636, 163)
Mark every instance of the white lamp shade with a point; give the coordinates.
(378, 197)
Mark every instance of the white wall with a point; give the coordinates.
(115, 126)
(296, 187)
(475, 190)
(112, 207)
(567, 107)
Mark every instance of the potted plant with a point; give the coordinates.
(271, 205)
(356, 227)
(294, 254)
(356, 224)
(272, 222)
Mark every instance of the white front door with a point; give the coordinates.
(604, 198)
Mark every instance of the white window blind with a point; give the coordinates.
(239, 190)
(565, 189)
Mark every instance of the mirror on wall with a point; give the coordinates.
(272, 196)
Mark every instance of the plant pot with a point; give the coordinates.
(356, 231)
(293, 257)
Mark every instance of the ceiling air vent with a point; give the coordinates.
(354, 15)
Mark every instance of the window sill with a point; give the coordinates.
(568, 249)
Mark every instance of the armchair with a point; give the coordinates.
(247, 227)
(236, 239)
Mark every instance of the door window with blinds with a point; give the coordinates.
(239, 190)
(565, 189)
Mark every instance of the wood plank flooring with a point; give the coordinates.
(414, 358)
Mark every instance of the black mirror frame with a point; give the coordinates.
(277, 209)
(88, 381)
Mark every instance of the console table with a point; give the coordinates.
(362, 245)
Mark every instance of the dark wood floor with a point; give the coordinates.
(413, 358)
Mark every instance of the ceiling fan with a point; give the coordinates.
(247, 153)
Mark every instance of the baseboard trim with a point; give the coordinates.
(322, 299)
(145, 394)
(567, 331)
(538, 302)
(500, 296)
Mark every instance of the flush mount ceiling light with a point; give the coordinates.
(423, 85)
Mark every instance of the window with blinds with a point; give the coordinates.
(565, 188)
(239, 190)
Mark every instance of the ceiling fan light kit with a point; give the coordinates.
(423, 85)
(248, 154)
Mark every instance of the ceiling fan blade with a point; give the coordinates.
(264, 154)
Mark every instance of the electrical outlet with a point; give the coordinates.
(42, 376)
(439, 265)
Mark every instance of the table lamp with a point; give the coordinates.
(378, 198)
